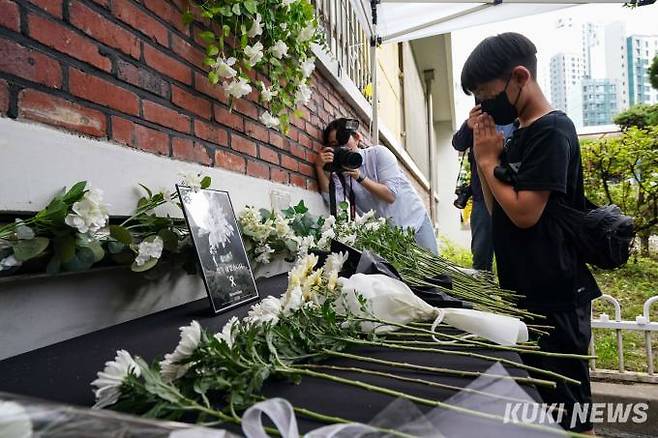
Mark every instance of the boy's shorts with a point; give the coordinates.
(571, 334)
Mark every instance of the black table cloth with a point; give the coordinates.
(62, 372)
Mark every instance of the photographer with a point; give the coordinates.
(374, 182)
(481, 241)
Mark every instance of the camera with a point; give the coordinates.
(464, 193)
(344, 158)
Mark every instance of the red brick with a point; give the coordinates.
(166, 117)
(280, 176)
(305, 140)
(204, 86)
(53, 7)
(45, 108)
(101, 91)
(289, 163)
(167, 65)
(229, 118)
(296, 121)
(298, 151)
(66, 41)
(188, 52)
(167, 12)
(4, 97)
(268, 154)
(123, 131)
(188, 150)
(151, 140)
(104, 3)
(10, 17)
(245, 107)
(142, 78)
(306, 169)
(298, 180)
(313, 132)
(230, 161)
(212, 133)
(258, 170)
(311, 156)
(279, 141)
(126, 11)
(29, 64)
(241, 144)
(257, 131)
(195, 104)
(103, 30)
(293, 133)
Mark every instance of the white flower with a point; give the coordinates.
(237, 88)
(190, 179)
(286, 3)
(292, 300)
(329, 223)
(109, 380)
(303, 94)
(89, 213)
(190, 337)
(326, 238)
(254, 53)
(267, 310)
(23, 232)
(304, 244)
(267, 93)
(335, 262)
(310, 283)
(256, 28)
(306, 33)
(301, 270)
(348, 239)
(227, 334)
(148, 250)
(308, 66)
(269, 120)
(264, 254)
(224, 68)
(9, 262)
(281, 227)
(361, 220)
(279, 49)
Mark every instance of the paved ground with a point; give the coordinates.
(604, 392)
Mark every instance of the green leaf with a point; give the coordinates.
(207, 36)
(212, 50)
(188, 17)
(75, 193)
(96, 247)
(148, 191)
(121, 234)
(244, 40)
(213, 77)
(115, 247)
(149, 264)
(83, 260)
(54, 266)
(169, 239)
(227, 30)
(251, 6)
(236, 9)
(205, 182)
(64, 247)
(226, 11)
(28, 249)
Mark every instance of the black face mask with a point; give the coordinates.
(500, 108)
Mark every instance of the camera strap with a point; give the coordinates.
(332, 195)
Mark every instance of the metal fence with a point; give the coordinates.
(642, 323)
(347, 40)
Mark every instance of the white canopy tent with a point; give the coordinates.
(404, 20)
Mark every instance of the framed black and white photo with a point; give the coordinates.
(224, 263)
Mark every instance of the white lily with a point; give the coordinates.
(171, 368)
(256, 27)
(109, 381)
(307, 67)
(237, 88)
(254, 53)
(224, 67)
(279, 49)
(269, 120)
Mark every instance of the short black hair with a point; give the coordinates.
(333, 125)
(495, 58)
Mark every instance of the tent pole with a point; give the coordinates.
(374, 41)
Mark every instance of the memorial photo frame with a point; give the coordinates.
(225, 266)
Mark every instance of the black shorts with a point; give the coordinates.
(571, 334)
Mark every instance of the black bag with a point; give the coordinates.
(602, 235)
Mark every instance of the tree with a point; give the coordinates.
(653, 73)
(624, 171)
(640, 116)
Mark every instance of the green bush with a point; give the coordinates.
(455, 253)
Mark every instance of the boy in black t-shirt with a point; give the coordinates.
(539, 164)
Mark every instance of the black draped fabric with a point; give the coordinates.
(63, 372)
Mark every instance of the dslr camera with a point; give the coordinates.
(464, 193)
(344, 158)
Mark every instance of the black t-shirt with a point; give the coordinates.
(539, 262)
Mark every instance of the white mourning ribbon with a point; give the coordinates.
(390, 300)
(281, 412)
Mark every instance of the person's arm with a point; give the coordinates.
(379, 190)
(523, 207)
(388, 175)
(486, 191)
(325, 156)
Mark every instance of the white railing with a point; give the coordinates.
(642, 323)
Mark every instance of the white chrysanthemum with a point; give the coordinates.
(335, 262)
(267, 311)
(9, 262)
(281, 227)
(292, 300)
(256, 27)
(224, 67)
(347, 239)
(109, 380)
(190, 179)
(325, 239)
(269, 120)
(332, 281)
(148, 250)
(264, 254)
(306, 33)
(310, 284)
(301, 270)
(303, 94)
(254, 53)
(237, 88)
(279, 49)
(304, 244)
(308, 66)
(228, 332)
(89, 213)
(362, 219)
(171, 368)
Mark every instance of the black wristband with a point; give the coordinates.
(361, 178)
